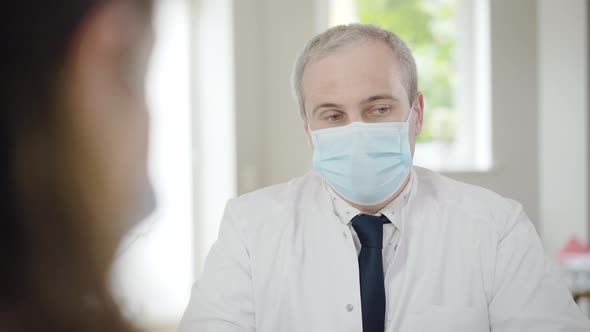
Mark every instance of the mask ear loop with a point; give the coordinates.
(410, 114)
(310, 138)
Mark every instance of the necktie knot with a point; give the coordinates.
(370, 230)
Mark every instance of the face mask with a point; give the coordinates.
(366, 163)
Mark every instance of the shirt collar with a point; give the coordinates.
(346, 212)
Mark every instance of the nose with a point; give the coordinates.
(355, 117)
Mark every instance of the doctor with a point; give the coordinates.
(365, 241)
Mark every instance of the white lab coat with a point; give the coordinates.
(468, 260)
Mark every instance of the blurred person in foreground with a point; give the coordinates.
(365, 241)
(74, 134)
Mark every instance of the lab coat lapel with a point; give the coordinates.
(330, 270)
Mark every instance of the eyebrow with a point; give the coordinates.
(325, 105)
(364, 101)
(379, 97)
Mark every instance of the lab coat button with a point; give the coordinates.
(344, 235)
(349, 307)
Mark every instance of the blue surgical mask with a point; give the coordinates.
(366, 163)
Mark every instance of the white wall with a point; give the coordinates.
(563, 121)
(514, 105)
(271, 145)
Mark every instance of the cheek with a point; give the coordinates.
(109, 144)
(115, 143)
(118, 130)
(123, 153)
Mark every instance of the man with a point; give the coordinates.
(365, 241)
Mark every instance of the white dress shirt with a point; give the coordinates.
(467, 260)
(391, 232)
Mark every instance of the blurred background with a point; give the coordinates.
(506, 92)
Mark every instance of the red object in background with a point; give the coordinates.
(574, 248)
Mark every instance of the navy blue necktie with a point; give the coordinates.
(370, 232)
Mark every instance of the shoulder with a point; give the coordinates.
(261, 216)
(277, 202)
(278, 196)
(472, 202)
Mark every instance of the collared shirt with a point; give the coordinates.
(393, 211)
(467, 260)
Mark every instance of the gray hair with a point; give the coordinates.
(341, 36)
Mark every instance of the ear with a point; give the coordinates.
(419, 109)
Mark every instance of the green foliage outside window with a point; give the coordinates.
(429, 29)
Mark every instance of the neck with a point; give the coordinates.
(373, 209)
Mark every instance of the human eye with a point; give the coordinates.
(381, 110)
(333, 116)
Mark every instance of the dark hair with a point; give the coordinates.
(48, 281)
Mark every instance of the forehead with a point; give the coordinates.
(352, 73)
